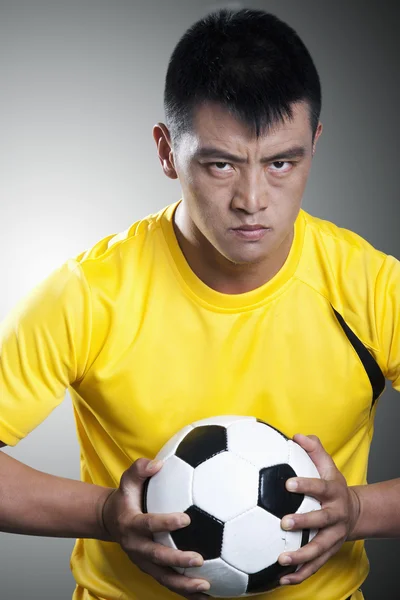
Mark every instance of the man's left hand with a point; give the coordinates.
(338, 515)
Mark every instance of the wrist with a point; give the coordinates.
(355, 514)
(103, 519)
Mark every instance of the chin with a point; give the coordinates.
(247, 253)
(250, 258)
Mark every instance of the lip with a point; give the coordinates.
(250, 227)
(251, 232)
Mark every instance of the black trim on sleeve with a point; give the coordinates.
(371, 367)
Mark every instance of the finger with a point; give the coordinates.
(322, 460)
(174, 581)
(321, 489)
(324, 540)
(317, 519)
(138, 472)
(148, 523)
(168, 557)
(133, 480)
(308, 569)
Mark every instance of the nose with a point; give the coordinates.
(251, 193)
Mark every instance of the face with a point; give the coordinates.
(241, 195)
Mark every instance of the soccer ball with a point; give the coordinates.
(228, 473)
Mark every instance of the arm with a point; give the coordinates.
(379, 510)
(35, 503)
(45, 346)
(379, 503)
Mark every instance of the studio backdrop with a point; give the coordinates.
(81, 86)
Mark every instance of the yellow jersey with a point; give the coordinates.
(145, 347)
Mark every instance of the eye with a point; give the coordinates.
(218, 163)
(280, 163)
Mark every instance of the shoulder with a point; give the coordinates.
(119, 258)
(115, 245)
(339, 253)
(328, 234)
(348, 272)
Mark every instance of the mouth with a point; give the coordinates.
(250, 232)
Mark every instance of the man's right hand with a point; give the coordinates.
(127, 525)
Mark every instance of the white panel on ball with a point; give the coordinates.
(170, 490)
(223, 420)
(309, 504)
(301, 462)
(170, 447)
(253, 540)
(226, 581)
(225, 486)
(260, 445)
(292, 540)
(164, 538)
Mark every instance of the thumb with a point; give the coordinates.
(315, 450)
(128, 496)
(133, 479)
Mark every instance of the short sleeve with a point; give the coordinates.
(44, 345)
(387, 315)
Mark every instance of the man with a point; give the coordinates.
(232, 301)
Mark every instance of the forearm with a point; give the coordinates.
(379, 510)
(35, 503)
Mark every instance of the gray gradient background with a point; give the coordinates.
(81, 87)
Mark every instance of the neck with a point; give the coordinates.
(219, 273)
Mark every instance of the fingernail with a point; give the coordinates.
(203, 587)
(284, 581)
(184, 521)
(196, 562)
(285, 560)
(291, 485)
(152, 465)
(287, 523)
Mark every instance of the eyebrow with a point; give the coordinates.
(212, 152)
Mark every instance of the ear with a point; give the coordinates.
(162, 138)
(317, 134)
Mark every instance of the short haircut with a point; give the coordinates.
(248, 61)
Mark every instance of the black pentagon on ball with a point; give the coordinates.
(305, 537)
(272, 493)
(268, 579)
(144, 495)
(203, 534)
(202, 443)
(272, 427)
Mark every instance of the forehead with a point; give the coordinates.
(211, 121)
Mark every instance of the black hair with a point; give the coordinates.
(248, 61)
